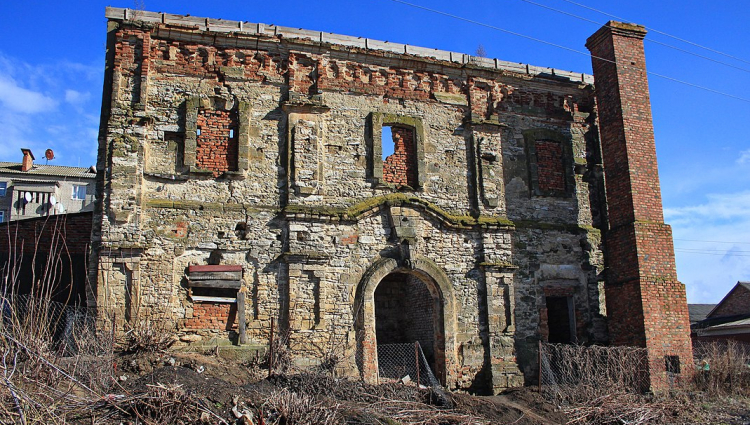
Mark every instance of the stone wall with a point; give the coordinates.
(493, 199)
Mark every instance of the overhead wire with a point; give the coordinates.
(472, 21)
(718, 52)
(698, 240)
(573, 15)
(728, 254)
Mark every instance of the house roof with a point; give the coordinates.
(740, 326)
(744, 285)
(699, 312)
(48, 170)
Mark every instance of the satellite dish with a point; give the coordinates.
(49, 154)
(27, 196)
(52, 200)
(60, 208)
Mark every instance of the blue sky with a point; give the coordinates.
(52, 62)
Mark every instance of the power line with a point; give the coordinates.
(697, 240)
(460, 18)
(660, 32)
(710, 253)
(648, 39)
(725, 251)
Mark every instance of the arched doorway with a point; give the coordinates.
(385, 312)
(408, 309)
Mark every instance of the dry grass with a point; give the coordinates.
(723, 368)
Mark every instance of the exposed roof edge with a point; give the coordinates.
(228, 27)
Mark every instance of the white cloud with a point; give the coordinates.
(75, 97)
(49, 105)
(712, 244)
(744, 157)
(18, 99)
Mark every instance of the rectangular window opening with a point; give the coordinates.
(386, 141)
(672, 364)
(399, 152)
(231, 133)
(2, 216)
(3, 188)
(79, 192)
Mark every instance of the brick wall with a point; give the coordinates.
(73, 231)
(207, 315)
(400, 167)
(216, 150)
(59, 240)
(735, 303)
(550, 165)
(646, 304)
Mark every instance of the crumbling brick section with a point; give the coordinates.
(646, 304)
(218, 316)
(216, 148)
(550, 165)
(400, 167)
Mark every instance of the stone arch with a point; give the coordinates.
(438, 284)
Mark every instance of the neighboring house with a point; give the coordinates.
(29, 190)
(729, 319)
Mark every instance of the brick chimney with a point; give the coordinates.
(28, 159)
(646, 304)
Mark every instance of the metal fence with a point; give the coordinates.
(65, 326)
(407, 363)
(399, 361)
(572, 373)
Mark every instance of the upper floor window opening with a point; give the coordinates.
(79, 192)
(396, 145)
(399, 156)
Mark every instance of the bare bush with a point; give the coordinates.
(290, 408)
(40, 381)
(151, 334)
(723, 368)
(279, 355)
(414, 413)
(621, 408)
(573, 374)
(162, 404)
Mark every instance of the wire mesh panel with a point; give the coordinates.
(397, 361)
(571, 373)
(63, 324)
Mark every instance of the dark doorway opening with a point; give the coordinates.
(408, 310)
(561, 320)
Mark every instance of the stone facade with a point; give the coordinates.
(241, 144)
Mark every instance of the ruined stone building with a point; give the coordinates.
(244, 177)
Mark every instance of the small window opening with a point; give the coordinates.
(386, 141)
(231, 133)
(672, 364)
(214, 292)
(399, 152)
(198, 131)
